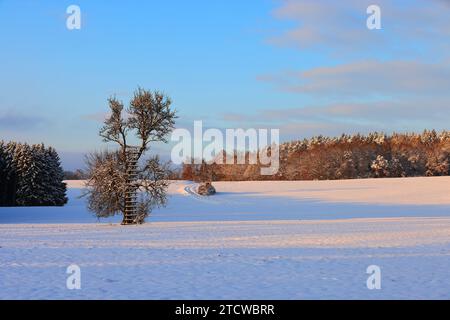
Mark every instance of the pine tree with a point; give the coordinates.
(26, 171)
(30, 176)
(55, 184)
(3, 174)
(11, 174)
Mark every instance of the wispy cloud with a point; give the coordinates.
(396, 78)
(378, 111)
(368, 78)
(350, 117)
(98, 116)
(341, 26)
(12, 121)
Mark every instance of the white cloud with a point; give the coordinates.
(409, 28)
(364, 79)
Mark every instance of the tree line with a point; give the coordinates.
(78, 174)
(345, 157)
(30, 175)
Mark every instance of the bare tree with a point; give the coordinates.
(114, 175)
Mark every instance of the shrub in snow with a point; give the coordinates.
(206, 189)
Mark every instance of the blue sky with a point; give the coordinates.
(306, 67)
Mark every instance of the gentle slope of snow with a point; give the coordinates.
(253, 240)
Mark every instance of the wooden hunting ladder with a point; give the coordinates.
(131, 215)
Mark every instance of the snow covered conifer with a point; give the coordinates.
(26, 171)
(54, 178)
(380, 167)
(30, 176)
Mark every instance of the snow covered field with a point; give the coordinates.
(253, 240)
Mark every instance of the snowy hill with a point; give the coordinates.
(268, 240)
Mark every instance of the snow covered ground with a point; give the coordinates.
(253, 240)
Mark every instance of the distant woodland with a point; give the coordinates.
(375, 155)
